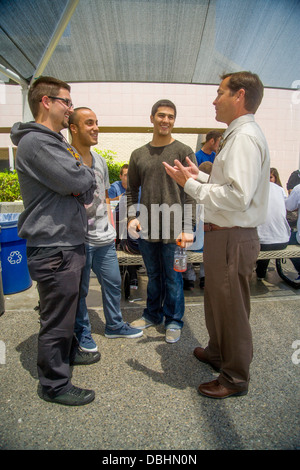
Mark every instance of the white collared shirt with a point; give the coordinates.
(292, 203)
(238, 189)
(276, 228)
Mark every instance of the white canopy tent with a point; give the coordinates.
(172, 41)
(151, 41)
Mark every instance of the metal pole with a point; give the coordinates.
(61, 26)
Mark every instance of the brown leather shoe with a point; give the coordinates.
(214, 389)
(200, 355)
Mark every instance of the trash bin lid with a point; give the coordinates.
(9, 219)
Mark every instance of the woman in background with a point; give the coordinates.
(274, 176)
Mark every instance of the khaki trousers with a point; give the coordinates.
(229, 259)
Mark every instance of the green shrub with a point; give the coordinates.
(9, 187)
(9, 183)
(114, 167)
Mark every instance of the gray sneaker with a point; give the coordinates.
(173, 335)
(126, 331)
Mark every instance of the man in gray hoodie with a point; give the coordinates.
(55, 185)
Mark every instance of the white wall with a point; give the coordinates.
(129, 104)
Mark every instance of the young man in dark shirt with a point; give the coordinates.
(158, 230)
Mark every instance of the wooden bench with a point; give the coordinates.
(291, 251)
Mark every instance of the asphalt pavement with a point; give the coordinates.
(146, 389)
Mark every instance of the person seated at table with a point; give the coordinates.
(118, 188)
(292, 203)
(209, 148)
(124, 242)
(294, 180)
(274, 233)
(292, 216)
(274, 176)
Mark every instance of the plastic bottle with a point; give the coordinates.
(180, 258)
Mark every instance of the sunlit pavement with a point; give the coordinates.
(146, 389)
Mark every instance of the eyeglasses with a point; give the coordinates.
(67, 102)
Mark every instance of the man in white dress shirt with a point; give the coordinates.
(235, 202)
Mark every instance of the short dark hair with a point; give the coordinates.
(206, 167)
(73, 118)
(123, 167)
(161, 103)
(251, 83)
(213, 135)
(293, 180)
(41, 87)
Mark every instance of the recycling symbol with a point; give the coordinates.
(15, 257)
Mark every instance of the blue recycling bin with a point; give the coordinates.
(15, 274)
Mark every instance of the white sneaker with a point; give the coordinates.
(142, 323)
(173, 335)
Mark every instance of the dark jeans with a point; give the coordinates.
(58, 281)
(262, 264)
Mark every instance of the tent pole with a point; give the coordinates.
(61, 26)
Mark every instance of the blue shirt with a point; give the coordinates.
(204, 157)
(116, 189)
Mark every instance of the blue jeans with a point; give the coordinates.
(165, 298)
(103, 261)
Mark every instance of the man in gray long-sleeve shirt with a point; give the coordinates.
(163, 207)
(55, 185)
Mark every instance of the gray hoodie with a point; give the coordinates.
(54, 186)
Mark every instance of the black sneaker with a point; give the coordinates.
(83, 358)
(188, 284)
(73, 397)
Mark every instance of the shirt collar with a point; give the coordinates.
(238, 122)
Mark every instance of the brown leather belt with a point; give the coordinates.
(212, 227)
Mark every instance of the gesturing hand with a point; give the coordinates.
(182, 173)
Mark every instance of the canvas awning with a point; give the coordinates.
(171, 41)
